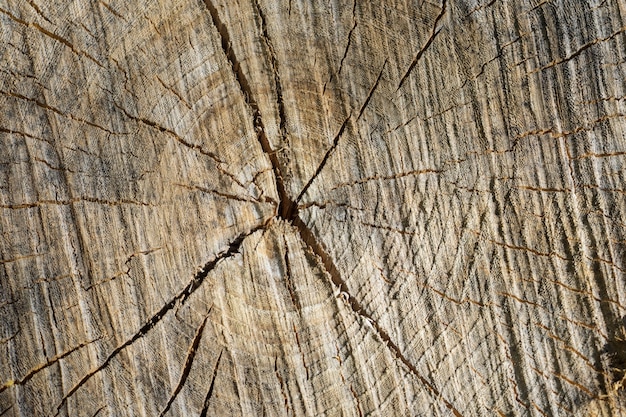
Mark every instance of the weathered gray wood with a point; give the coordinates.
(312, 208)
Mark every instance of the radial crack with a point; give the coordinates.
(325, 159)
(227, 196)
(336, 140)
(209, 394)
(181, 297)
(51, 35)
(288, 281)
(286, 206)
(61, 113)
(191, 354)
(274, 65)
(423, 49)
(345, 52)
(72, 201)
(172, 133)
(388, 177)
(43, 366)
(329, 266)
(371, 93)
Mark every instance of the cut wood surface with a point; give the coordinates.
(303, 207)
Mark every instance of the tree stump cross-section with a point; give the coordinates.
(312, 208)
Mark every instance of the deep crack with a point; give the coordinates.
(181, 297)
(423, 49)
(207, 399)
(329, 266)
(287, 208)
(191, 354)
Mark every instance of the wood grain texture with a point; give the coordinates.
(312, 208)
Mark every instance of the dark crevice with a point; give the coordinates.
(287, 208)
(181, 298)
(322, 164)
(98, 411)
(209, 394)
(329, 266)
(41, 367)
(423, 49)
(191, 354)
(288, 280)
(371, 92)
(274, 65)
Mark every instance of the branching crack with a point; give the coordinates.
(181, 298)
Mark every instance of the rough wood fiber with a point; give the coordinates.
(312, 208)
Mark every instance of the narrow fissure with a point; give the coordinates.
(274, 65)
(329, 266)
(423, 49)
(209, 394)
(191, 354)
(287, 208)
(178, 299)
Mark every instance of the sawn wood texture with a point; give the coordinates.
(286, 208)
